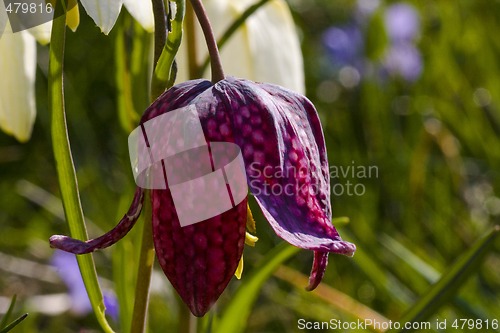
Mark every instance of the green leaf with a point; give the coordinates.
(376, 37)
(64, 164)
(5, 318)
(236, 313)
(14, 323)
(446, 288)
(126, 111)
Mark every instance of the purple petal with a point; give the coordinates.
(178, 96)
(318, 269)
(76, 246)
(276, 130)
(285, 156)
(200, 259)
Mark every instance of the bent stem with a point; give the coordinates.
(213, 51)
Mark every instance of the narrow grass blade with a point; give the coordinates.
(64, 163)
(445, 289)
(14, 323)
(6, 317)
(236, 313)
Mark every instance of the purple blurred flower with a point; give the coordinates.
(111, 304)
(344, 45)
(402, 22)
(66, 266)
(403, 60)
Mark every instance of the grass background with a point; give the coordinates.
(435, 143)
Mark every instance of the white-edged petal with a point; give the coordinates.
(103, 12)
(17, 86)
(142, 12)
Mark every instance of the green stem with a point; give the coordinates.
(231, 30)
(144, 271)
(187, 322)
(160, 18)
(165, 71)
(213, 51)
(64, 161)
(191, 42)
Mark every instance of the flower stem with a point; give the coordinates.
(65, 167)
(191, 43)
(187, 322)
(215, 62)
(160, 18)
(146, 257)
(144, 271)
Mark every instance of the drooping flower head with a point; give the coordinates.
(282, 145)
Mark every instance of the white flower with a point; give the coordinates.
(17, 90)
(105, 12)
(142, 12)
(18, 68)
(265, 49)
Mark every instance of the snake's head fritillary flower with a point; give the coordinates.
(283, 149)
(18, 54)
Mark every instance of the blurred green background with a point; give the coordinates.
(433, 139)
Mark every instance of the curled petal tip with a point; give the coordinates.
(76, 246)
(69, 244)
(318, 270)
(344, 248)
(321, 261)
